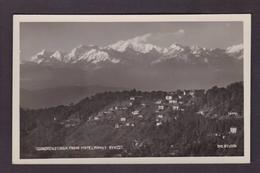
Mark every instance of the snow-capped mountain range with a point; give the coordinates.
(138, 47)
(134, 63)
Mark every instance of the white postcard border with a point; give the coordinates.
(245, 18)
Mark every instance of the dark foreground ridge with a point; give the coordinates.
(139, 124)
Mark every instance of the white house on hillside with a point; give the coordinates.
(96, 118)
(158, 102)
(233, 130)
(116, 126)
(160, 107)
(132, 98)
(136, 112)
(172, 101)
(140, 116)
(175, 107)
(160, 116)
(233, 114)
(158, 123)
(168, 98)
(123, 119)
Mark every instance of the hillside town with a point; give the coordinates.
(177, 123)
(133, 111)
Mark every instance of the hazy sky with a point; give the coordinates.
(66, 36)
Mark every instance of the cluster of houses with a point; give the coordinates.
(174, 103)
(129, 120)
(120, 115)
(130, 113)
(133, 111)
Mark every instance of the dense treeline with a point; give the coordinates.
(222, 100)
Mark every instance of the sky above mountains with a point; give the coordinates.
(66, 36)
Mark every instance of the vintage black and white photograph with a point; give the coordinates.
(131, 89)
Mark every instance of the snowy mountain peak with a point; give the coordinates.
(75, 53)
(235, 48)
(139, 44)
(198, 51)
(95, 56)
(41, 56)
(176, 46)
(57, 55)
(141, 39)
(236, 51)
(43, 52)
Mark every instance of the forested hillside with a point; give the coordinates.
(139, 124)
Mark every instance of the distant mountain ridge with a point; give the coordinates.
(139, 47)
(134, 63)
